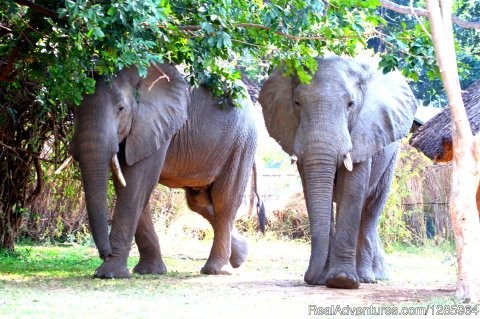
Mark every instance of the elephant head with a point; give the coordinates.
(345, 115)
(142, 114)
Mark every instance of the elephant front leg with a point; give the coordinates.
(350, 192)
(151, 261)
(113, 267)
(132, 199)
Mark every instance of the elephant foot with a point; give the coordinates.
(367, 277)
(365, 273)
(216, 268)
(380, 269)
(150, 267)
(314, 277)
(343, 279)
(111, 269)
(239, 251)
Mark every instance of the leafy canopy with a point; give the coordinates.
(213, 39)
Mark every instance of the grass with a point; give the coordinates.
(56, 282)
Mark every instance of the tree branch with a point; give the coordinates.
(40, 9)
(6, 30)
(423, 13)
(412, 9)
(40, 182)
(6, 73)
(259, 26)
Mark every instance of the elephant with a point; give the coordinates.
(343, 130)
(158, 129)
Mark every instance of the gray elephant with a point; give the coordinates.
(343, 129)
(163, 131)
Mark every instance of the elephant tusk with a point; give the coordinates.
(293, 159)
(117, 171)
(347, 161)
(64, 165)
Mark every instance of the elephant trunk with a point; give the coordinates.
(94, 149)
(95, 184)
(319, 175)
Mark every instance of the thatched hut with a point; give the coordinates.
(434, 138)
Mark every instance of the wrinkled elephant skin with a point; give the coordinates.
(343, 127)
(161, 130)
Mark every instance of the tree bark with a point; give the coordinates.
(424, 13)
(465, 177)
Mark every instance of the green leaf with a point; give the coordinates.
(111, 11)
(98, 32)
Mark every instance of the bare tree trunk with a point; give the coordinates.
(465, 177)
(253, 190)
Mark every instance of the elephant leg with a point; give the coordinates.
(379, 266)
(200, 202)
(370, 260)
(224, 215)
(367, 244)
(132, 199)
(226, 193)
(350, 191)
(370, 255)
(151, 261)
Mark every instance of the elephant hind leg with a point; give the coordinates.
(200, 201)
(151, 261)
(379, 265)
(370, 255)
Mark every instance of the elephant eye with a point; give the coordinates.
(120, 109)
(350, 105)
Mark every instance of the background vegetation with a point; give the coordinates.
(51, 51)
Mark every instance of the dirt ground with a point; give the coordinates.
(269, 285)
(276, 268)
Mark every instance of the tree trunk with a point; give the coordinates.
(10, 216)
(15, 163)
(466, 156)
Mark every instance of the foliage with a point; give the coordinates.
(408, 47)
(429, 249)
(49, 58)
(395, 225)
(392, 227)
(57, 214)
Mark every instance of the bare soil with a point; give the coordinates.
(276, 268)
(269, 285)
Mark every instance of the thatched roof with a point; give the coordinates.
(434, 138)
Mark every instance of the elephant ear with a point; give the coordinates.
(281, 120)
(386, 115)
(162, 99)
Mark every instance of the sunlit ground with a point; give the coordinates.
(56, 282)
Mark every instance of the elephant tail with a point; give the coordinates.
(261, 216)
(260, 205)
